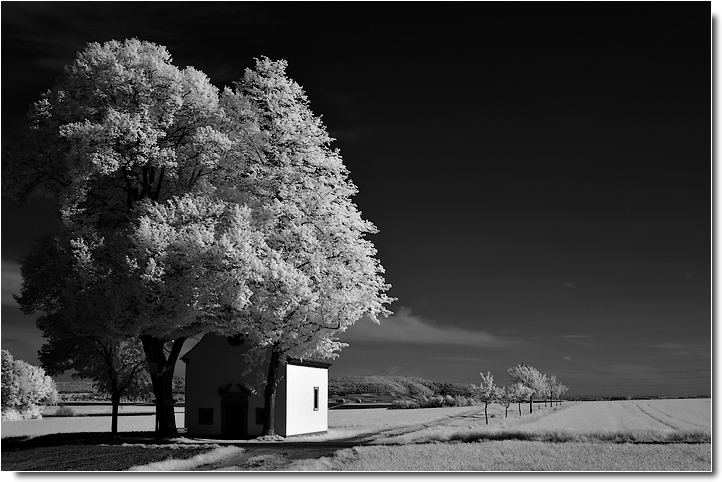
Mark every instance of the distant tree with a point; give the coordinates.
(117, 366)
(549, 392)
(531, 378)
(505, 399)
(324, 274)
(487, 392)
(519, 393)
(179, 384)
(26, 389)
(556, 388)
(10, 383)
(544, 391)
(76, 322)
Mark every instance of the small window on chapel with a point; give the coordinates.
(205, 416)
(315, 398)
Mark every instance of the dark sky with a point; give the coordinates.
(540, 173)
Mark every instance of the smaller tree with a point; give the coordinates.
(179, 385)
(531, 378)
(487, 392)
(10, 383)
(26, 389)
(561, 391)
(519, 393)
(544, 392)
(550, 390)
(556, 388)
(117, 366)
(505, 399)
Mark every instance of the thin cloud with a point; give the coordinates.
(405, 327)
(701, 349)
(458, 358)
(578, 339)
(619, 368)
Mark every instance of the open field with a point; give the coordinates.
(83, 409)
(629, 420)
(415, 440)
(127, 422)
(514, 455)
(623, 415)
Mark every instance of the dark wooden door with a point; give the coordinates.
(235, 420)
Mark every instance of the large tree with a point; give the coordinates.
(122, 129)
(323, 272)
(195, 217)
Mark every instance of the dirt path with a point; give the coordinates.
(281, 455)
(680, 414)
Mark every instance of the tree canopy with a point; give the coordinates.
(188, 210)
(323, 275)
(529, 377)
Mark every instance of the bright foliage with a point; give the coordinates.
(189, 211)
(26, 389)
(530, 377)
(487, 392)
(323, 275)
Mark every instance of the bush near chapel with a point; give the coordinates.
(26, 390)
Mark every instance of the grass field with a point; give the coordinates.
(513, 455)
(631, 420)
(95, 457)
(435, 439)
(80, 424)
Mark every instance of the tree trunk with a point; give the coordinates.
(161, 375)
(485, 415)
(269, 393)
(531, 404)
(115, 400)
(519, 409)
(506, 411)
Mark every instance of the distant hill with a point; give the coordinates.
(397, 386)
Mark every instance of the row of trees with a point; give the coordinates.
(188, 210)
(527, 384)
(26, 389)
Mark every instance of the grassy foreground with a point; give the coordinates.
(92, 457)
(513, 455)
